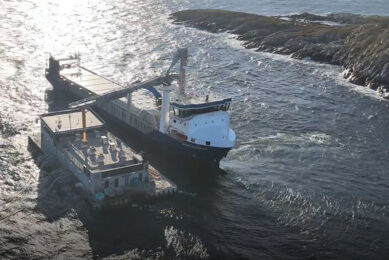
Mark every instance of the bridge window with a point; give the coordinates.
(186, 111)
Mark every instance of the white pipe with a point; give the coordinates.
(164, 121)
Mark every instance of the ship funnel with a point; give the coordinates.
(164, 120)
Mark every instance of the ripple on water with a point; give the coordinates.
(310, 163)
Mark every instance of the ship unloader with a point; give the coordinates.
(194, 130)
(110, 172)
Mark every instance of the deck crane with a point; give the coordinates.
(166, 80)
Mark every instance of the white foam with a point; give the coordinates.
(366, 91)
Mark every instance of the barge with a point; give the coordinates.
(110, 172)
(192, 129)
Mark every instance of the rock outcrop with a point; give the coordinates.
(358, 43)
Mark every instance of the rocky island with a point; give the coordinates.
(358, 43)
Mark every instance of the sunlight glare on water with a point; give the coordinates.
(307, 178)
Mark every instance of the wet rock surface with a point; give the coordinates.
(358, 43)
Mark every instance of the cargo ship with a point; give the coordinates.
(192, 129)
(109, 171)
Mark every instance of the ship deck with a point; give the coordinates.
(85, 78)
(96, 155)
(98, 85)
(102, 151)
(162, 184)
(70, 121)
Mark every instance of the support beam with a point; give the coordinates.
(84, 140)
(129, 102)
(164, 120)
(93, 100)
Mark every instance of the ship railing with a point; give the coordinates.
(73, 160)
(122, 170)
(76, 150)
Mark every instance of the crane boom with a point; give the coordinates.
(166, 80)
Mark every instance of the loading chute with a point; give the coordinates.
(166, 80)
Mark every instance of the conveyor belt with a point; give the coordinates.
(90, 81)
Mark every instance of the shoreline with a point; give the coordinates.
(360, 44)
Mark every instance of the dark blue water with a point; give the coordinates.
(308, 176)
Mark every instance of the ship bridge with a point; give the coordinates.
(183, 111)
(204, 124)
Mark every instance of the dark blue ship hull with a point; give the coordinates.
(158, 144)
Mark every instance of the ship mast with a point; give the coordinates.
(182, 56)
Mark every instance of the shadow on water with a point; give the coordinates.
(116, 231)
(56, 100)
